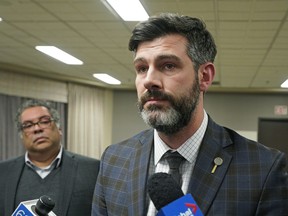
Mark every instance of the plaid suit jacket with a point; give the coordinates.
(251, 181)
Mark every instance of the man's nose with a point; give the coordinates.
(153, 79)
(37, 128)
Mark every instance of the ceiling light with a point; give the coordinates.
(129, 10)
(107, 78)
(59, 54)
(284, 84)
(1, 19)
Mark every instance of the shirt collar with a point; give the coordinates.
(160, 148)
(57, 160)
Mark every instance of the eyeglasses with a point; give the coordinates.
(44, 122)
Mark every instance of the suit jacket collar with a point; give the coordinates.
(68, 175)
(204, 184)
(13, 177)
(138, 173)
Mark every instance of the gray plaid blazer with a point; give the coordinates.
(251, 181)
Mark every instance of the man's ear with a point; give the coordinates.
(60, 131)
(206, 74)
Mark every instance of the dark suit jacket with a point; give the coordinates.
(78, 178)
(251, 180)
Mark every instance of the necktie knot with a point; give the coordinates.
(174, 160)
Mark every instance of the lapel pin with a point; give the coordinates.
(217, 162)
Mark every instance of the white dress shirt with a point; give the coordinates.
(44, 171)
(189, 150)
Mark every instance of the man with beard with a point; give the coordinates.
(226, 173)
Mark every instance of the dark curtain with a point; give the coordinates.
(10, 142)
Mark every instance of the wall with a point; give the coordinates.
(126, 119)
(237, 111)
(24, 85)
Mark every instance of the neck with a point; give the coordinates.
(41, 159)
(175, 140)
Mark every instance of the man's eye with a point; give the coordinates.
(169, 66)
(27, 125)
(44, 122)
(141, 69)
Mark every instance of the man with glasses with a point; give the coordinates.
(46, 168)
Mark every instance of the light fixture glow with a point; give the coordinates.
(1, 19)
(107, 78)
(284, 84)
(129, 10)
(59, 54)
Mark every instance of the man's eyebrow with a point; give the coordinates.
(140, 59)
(159, 58)
(39, 118)
(168, 57)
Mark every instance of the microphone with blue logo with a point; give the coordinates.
(169, 199)
(38, 207)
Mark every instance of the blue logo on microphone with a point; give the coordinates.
(22, 211)
(184, 206)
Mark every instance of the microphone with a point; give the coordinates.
(38, 207)
(169, 199)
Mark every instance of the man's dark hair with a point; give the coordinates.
(201, 47)
(35, 103)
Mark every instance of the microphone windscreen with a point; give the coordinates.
(163, 189)
(44, 205)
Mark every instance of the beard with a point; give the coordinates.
(170, 120)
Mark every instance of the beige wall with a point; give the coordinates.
(237, 111)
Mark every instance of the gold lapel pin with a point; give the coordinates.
(217, 162)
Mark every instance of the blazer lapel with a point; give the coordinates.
(68, 174)
(12, 183)
(138, 173)
(204, 184)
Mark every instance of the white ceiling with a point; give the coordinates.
(251, 36)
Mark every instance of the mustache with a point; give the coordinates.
(155, 94)
(40, 135)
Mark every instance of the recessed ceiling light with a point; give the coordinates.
(1, 19)
(59, 54)
(284, 84)
(107, 78)
(129, 10)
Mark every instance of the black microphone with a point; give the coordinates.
(163, 189)
(44, 205)
(168, 198)
(38, 207)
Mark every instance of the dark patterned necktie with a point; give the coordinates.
(174, 160)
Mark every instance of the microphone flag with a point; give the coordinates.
(22, 210)
(184, 206)
(27, 208)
